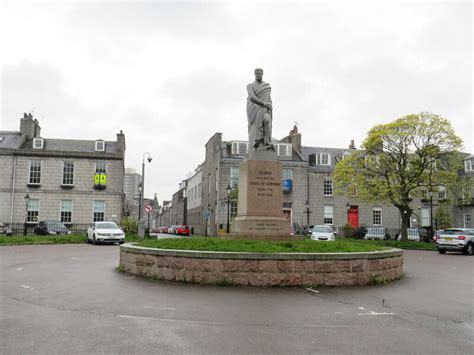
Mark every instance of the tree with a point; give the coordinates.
(443, 217)
(402, 159)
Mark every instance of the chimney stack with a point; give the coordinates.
(29, 127)
(352, 145)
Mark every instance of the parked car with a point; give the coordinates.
(323, 232)
(427, 234)
(183, 230)
(171, 229)
(308, 229)
(455, 239)
(51, 228)
(105, 232)
(5, 229)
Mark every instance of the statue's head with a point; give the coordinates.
(258, 74)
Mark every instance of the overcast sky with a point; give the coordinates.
(170, 75)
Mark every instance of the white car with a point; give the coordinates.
(105, 232)
(323, 232)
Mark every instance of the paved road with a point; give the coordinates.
(69, 299)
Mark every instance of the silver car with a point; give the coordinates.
(455, 239)
(323, 232)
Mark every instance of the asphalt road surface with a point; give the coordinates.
(69, 299)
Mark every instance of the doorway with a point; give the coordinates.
(353, 216)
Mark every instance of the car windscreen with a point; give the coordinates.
(106, 225)
(322, 229)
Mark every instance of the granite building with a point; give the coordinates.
(73, 181)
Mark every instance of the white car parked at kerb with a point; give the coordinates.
(323, 232)
(105, 232)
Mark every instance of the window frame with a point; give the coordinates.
(32, 215)
(319, 159)
(327, 187)
(467, 222)
(288, 172)
(37, 172)
(233, 178)
(377, 213)
(40, 141)
(98, 170)
(68, 176)
(68, 218)
(288, 150)
(326, 214)
(97, 142)
(94, 219)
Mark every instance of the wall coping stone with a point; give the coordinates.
(131, 248)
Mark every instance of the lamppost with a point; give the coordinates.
(27, 202)
(348, 206)
(228, 189)
(207, 214)
(431, 210)
(307, 212)
(141, 222)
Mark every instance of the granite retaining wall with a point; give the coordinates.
(263, 269)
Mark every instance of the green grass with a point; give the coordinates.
(260, 246)
(54, 239)
(409, 244)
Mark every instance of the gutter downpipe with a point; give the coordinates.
(13, 190)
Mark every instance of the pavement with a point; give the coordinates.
(70, 299)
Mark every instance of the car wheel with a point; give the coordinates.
(441, 251)
(468, 249)
(93, 240)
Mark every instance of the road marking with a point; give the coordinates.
(19, 269)
(361, 308)
(338, 313)
(372, 313)
(170, 309)
(26, 286)
(311, 290)
(130, 277)
(74, 258)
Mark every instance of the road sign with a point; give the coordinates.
(148, 209)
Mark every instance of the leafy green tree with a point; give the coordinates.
(401, 160)
(443, 217)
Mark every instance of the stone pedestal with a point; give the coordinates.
(259, 214)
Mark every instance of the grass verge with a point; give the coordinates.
(261, 246)
(54, 239)
(409, 244)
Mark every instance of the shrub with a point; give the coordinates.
(359, 232)
(129, 225)
(347, 231)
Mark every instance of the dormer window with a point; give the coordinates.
(239, 148)
(38, 143)
(469, 165)
(323, 159)
(99, 146)
(284, 150)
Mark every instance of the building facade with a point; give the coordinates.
(73, 181)
(309, 194)
(131, 189)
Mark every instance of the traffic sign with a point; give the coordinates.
(148, 209)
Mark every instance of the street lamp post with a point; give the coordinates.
(431, 211)
(27, 202)
(307, 212)
(141, 221)
(207, 213)
(228, 189)
(348, 206)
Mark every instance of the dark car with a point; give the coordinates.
(51, 228)
(427, 234)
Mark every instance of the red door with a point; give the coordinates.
(353, 216)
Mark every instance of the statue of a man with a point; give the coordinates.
(259, 113)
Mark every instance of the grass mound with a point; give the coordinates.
(261, 246)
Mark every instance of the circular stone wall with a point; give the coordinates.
(263, 269)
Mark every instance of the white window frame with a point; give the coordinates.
(38, 143)
(377, 216)
(33, 208)
(70, 178)
(97, 169)
(97, 143)
(328, 214)
(66, 208)
(38, 172)
(468, 165)
(286, 174)
(286, 152)
(425, 217)
(442, 193)
(234, 176)
(237, 147)
(97, 211)
(328, 185)
(467, 220)
(320, 160)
